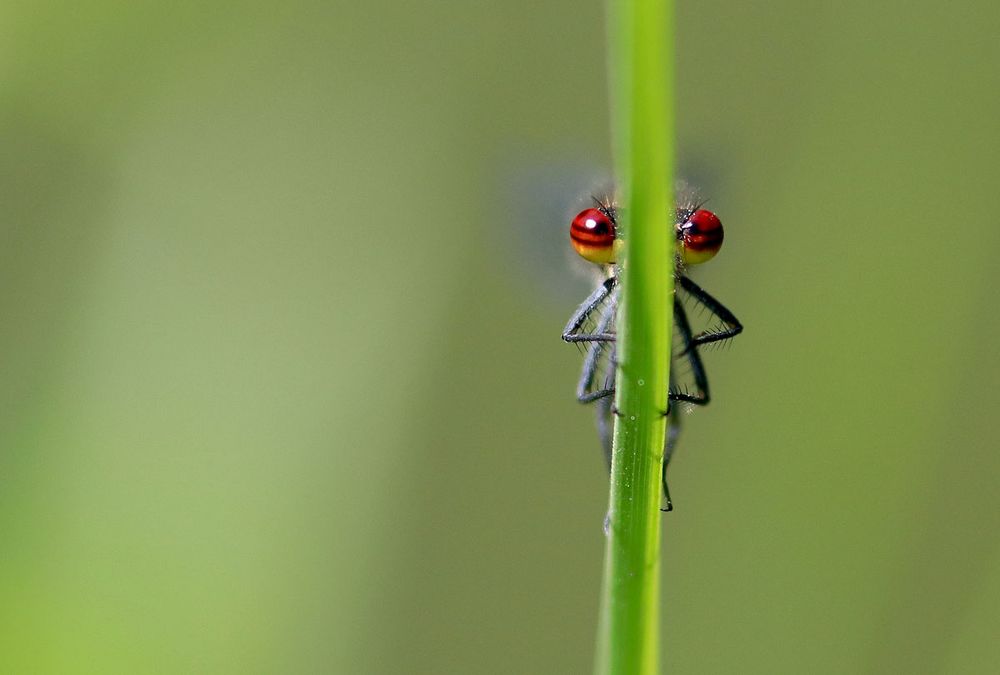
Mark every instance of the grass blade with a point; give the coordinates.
(641, 39)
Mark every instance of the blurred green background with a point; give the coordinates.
(282, 385)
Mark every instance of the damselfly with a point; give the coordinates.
(596, 235)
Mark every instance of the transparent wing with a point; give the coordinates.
(597, 377)
(593, 330)
(688, 382)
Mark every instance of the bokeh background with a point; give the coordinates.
(281, 379)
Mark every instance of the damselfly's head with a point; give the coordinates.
(594, 235)
(699, 236)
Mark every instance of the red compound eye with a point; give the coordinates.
(592, 234)
(700, 237)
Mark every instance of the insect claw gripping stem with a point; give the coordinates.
(672, 432)
(666, 491)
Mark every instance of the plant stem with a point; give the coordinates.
(642, 52)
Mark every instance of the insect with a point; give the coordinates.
(596, 235)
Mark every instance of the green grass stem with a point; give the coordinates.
(642, 54)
